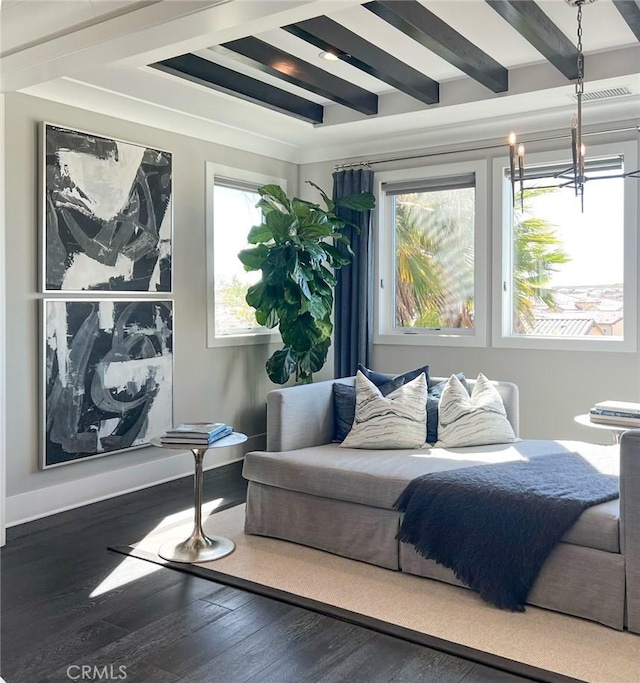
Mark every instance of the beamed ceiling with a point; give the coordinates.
(404, 67)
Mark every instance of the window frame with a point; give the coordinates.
(385, 331)
(230, 174)
(503, 266)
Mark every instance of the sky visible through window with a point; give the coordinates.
(583, 296)
(593, 239)
(234, 215)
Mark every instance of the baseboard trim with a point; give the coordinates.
(32, 505)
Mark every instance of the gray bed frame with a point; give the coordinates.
(308, 490)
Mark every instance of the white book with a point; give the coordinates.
(619, 406)
(632, 422)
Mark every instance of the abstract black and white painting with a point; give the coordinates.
(108, 376)
(107, 214)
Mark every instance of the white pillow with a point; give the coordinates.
(398, 420)
(476, 420)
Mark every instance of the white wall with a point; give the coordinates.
(554, 385)
(224, 384)
(227, 384)
(2, 330)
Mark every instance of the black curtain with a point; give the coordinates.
(353, 320)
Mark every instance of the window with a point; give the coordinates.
(232, 195)
(432, 245)
(566, 273)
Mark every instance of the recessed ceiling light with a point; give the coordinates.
(329, 56)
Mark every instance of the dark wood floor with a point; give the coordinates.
(169, 626)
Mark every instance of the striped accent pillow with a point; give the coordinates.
(476, 420)
(397, 420)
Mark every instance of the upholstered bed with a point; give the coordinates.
(308, 490)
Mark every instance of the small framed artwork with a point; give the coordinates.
(106, 212)
(107, 376)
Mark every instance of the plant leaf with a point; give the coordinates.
(300, 208)
(329, 203)
(287, 313)
(362, 201)
(326, 327)
(315, 358)
(260, 233)
(317, 252)
(280, 366)
(281, 225)
(267, 318)
(315, 231)
(301, 278)
(291, 293)
(337, 258)
(317, 306)
(321, 287)
(253, 258)
(275, 195)
(327, 276)
(257, 296)
(301, 334)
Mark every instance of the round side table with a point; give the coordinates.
(199, 547)
(616, 430)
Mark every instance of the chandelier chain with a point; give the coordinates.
(580, 81)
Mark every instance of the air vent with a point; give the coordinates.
(605, 94)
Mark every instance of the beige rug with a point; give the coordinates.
(434, 613)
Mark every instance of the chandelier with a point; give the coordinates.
(573, 177)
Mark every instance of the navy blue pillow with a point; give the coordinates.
(379, 378)
(433, 401)
(344, 405)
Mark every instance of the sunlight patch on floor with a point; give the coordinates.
(132, 569)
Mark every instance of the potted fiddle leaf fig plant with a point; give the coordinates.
(296, 252)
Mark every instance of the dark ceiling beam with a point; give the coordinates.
(330, 36)
(271, 60)
(630, 10)
(533, 24)
(225, 80)
(426, 28)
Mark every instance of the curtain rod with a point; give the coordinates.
(341, 167)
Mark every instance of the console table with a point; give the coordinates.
(199, 547)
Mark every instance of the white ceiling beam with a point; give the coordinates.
(153, 33)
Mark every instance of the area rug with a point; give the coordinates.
(538, 643)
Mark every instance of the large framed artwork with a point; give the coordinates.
(107, 214)
(107, 376)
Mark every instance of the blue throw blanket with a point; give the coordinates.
(495, 525)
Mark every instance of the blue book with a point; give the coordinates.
(198, 429)
(202, 440)
(615, 413)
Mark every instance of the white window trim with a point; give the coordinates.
(384, 332)
(502, 254)
(230, 173)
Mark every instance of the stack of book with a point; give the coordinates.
(616, 413)
(197, 433)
